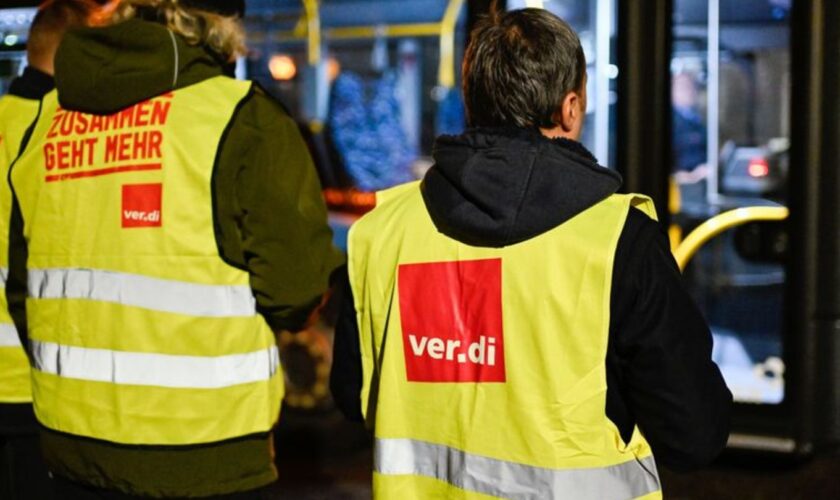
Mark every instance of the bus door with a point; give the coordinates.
(751, 190)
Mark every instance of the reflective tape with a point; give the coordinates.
(504, 479)
(4, 276)
(8, 335)
(142, 291)
(159, 370)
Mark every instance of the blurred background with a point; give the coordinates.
(709, 106)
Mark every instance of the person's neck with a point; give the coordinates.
(558, 132)
(43, 67)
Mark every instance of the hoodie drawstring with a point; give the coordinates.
(175, 48)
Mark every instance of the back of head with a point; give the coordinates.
(52, 21)
(518, 68)
(210, 23)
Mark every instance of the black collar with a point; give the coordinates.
(494, 187)
(32, 84)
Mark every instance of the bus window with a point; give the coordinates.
(730, 106)
(14, 29)
(381, 87)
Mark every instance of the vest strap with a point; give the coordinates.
(505, 479)
(151, 369)
(142, 291)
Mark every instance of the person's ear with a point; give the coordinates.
(570, 112)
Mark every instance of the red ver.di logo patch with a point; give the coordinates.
(451, 315)
(141, 205)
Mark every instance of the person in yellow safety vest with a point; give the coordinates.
(167, 221)
(23, 474)
(513, 328)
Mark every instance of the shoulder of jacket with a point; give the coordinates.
(263, 115)
(263, 99)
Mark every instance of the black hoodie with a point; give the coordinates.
(498, 187)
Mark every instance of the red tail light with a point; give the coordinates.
(758, 167)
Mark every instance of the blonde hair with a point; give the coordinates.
(224, 35)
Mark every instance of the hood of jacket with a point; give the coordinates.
(498, 187)
(103, 70)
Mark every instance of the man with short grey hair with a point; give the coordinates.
(513, 327)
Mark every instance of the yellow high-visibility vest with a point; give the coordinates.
(140, 333)
(485, 368)
(16, 114)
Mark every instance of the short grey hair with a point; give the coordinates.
(518, 68)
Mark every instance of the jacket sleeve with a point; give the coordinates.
(346, 374)
(270, 216)
(673, 389)
(16, 281)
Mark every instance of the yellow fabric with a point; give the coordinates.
(16, 114)
(190, 341)
(421, 488)
(555, 305)
(74, 208)
(155, 415)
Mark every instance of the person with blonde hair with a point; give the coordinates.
(167, 222)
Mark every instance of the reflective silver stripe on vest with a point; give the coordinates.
(4, 276)
(142, 291)
(159, 370)
(514, 480)
(8, 335)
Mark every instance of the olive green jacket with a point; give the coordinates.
(269, 218)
